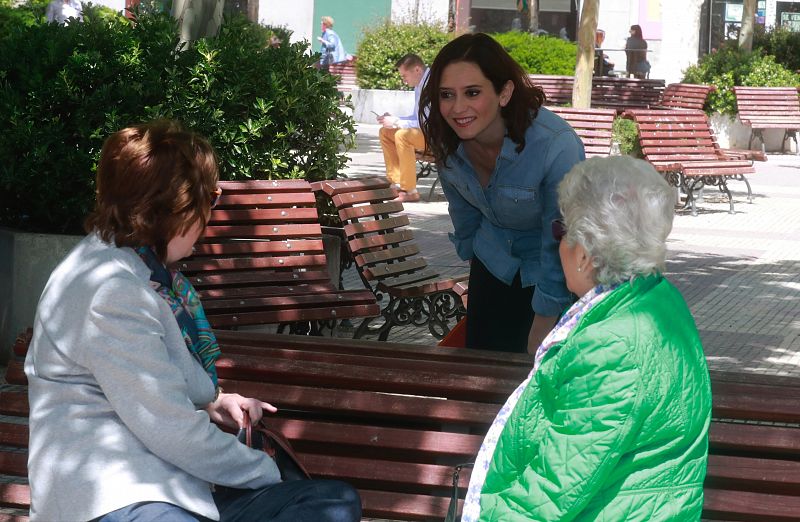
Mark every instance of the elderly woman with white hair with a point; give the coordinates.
(612, 422)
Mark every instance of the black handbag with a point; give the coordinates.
(273, 443)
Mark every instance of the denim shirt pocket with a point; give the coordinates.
(517, 207)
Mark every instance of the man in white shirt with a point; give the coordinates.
(401, 136)
(60, 11)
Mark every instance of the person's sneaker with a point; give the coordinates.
(408, 197)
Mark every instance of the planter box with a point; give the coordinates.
(731, 133)
(26, 261)
(399, 103)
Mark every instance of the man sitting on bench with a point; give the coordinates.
(401, 136)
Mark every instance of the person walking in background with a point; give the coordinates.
(612, 422)
(331, 47)
(401, 136)
(636, 54)
(60, 11)
(123, 388)
(501, 156)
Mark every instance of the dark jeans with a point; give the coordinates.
(499, 317)
(295, 501)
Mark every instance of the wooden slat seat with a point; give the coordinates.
(769, 108)
(679, 143)
(262, 261)
(388, 261)
(392, 419)
(593, 126)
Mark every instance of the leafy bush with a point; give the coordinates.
(626, 133)
(384, 44)
(781, 43)
(64, 89)
(540, 54)
(729, 67)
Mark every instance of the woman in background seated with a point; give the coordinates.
(612, 423)
(122, 383)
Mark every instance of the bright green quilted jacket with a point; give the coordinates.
(614, 425)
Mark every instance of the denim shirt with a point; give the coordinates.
(507, 224)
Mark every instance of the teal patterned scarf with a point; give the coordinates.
(182, 298)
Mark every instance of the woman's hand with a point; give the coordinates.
(539, 329)
(228, 407)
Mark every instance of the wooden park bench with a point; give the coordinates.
(393, 419)
(346, 72)
(679, 143)
(684, 96)
(557, 89)
(593, 127)
(769, 108)
(607, 91)
(388, 261)
(625, 93)
(262, 261)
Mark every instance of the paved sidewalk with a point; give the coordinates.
(739, 273)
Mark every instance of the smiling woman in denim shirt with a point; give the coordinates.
(500, 157)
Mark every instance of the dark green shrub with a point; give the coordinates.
(540, 54)
(64, 89)
(626, 133)
(781, 43)
(384, 44)
(729, 67)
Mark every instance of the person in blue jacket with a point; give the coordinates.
(331, 47)
(501, 156)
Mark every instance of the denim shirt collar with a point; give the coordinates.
(508, 152)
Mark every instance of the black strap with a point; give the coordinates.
(452, 511)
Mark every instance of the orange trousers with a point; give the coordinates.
(398, 152)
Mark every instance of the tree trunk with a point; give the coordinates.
(582, 88)
(198, 18)
(533, 8)
(748, 26)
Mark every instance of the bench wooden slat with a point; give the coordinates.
(760, 475)
(720, 504)
(223, 320)
(387, 270)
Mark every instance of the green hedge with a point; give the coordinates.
(729, 67)
(384, 44)
(64, 89)
(781, 43)
(540, 54)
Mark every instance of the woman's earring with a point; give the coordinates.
(580, 269)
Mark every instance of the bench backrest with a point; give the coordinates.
(346, 71)
(673, 136)
(768, 107)
(685, 96)
(377, 230)
(625, 93)
(593, 126)
(607, 91)
(392, 419)
(262, 258)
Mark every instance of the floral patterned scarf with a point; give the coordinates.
(184, 302)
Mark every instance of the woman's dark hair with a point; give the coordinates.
(637, 31)
(498, 67)
(154, 181)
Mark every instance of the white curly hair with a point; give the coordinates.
(620, 210)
